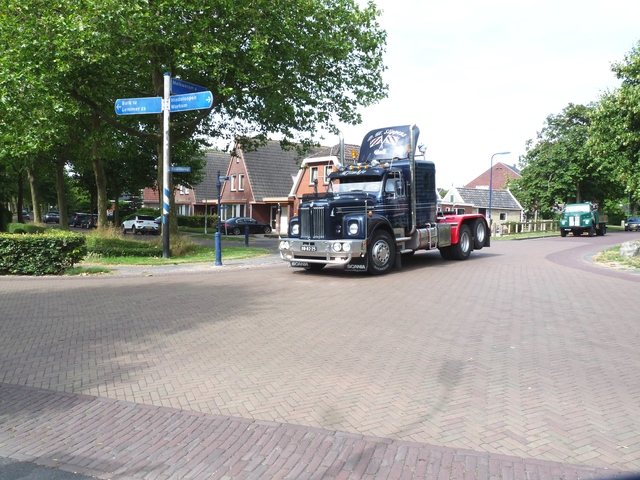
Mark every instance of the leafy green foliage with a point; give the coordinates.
(559, 168)
(15, 228)
(615, 129)
(197, 221)
(40, 254)
(117, 247)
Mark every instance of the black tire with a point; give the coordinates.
(315, 267)
(133, 229)
(592, 231)
(563, 233)
(381, 253)
(124, 230)
(236, 231)
(445, 252)
(267, 229)
(462, 249)
(480, 233)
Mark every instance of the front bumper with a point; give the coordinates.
(294, 250)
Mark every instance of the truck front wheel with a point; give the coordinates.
(381, 252)
(462, 249)
(563, 233)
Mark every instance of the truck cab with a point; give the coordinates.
(579, 218)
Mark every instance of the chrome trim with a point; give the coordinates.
(324, 253)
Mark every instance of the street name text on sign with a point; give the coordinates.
(179, 169)
(180, 86)
(190, 101)
(138, 106)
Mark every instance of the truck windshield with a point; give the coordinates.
(372, 186)
(577, 209)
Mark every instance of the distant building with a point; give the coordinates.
(502, 173)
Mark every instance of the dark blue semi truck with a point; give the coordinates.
(378, 209)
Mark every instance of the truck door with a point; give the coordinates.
(395, 200)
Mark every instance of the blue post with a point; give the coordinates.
(218, 243)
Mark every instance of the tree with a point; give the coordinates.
(286, 67)
(559, 167)
(615, 126)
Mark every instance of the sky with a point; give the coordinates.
(481, 77)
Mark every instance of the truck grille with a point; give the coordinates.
(312, 222)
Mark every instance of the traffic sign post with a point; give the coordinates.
(218, 243)
(191, 101)
(138, 106)
(175, 169)
(190, 97)
(180, 86)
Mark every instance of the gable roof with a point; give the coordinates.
(335, 152)
(479, 198)
(270, 170)
(501, 172)
(208, 188)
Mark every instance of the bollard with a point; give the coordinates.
(246, 236)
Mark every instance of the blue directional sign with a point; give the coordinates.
(180, 86)
(177, 169)
(190, 101)
(138, 106)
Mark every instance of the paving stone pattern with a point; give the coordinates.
(518, 363)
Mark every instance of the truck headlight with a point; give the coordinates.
(284, 245)
(295, 229)
(346, 247)
(337, 247)
(354, 228)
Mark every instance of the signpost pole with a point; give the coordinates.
(166, 165)
(218, 243)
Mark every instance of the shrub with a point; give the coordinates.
(197, 221)
(5, 218)
(26, 228)
(117, 247)
(40, 254)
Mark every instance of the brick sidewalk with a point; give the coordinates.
(113, 439)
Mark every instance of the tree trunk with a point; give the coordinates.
(61, 190)
(35, 195)
(98, 171)
(20, 198)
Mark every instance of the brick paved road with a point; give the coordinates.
(499, 366)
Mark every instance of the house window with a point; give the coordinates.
(313, 175)
(241, 182)
(451, 198)
(460, 211)
(233, 183)
(183, 210)
(181, 189)
(327, 170)
(503, 216)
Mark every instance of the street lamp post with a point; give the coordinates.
(491, 182)
(218, 243)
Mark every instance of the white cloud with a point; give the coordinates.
(481, 77)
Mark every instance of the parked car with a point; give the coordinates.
(77, 219)
(237, 226)
(141, 224)
(25, 215)
(52, 216)
(632, 223)
(90, 221)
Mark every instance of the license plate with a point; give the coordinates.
(308, 248)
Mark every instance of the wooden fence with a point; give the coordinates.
(512, 228)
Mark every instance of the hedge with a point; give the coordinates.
(26, 228)
(197, 221)
(40, 254)
(115, 247)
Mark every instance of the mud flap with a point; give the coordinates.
(359, 264)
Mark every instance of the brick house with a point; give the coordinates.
(501, 172)
(318, 166)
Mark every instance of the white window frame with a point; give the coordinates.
(233, 183)
(241, 182)
(313, 174)
(327, 170)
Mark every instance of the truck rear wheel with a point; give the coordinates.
(381, 253)
(480, 229)
(462, 249)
